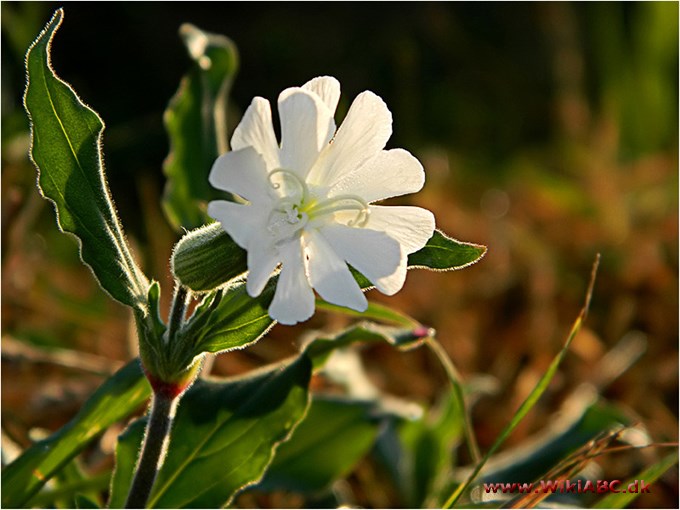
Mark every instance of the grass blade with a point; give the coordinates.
(533, 397)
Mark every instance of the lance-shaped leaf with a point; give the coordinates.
(208, 258)
(443, 253)
(633, 486)
(223, 438)
(66, 149)
(333, 437)
(339, 431)
(196, 122)
(116, 399)
(233, 320)
(322, 347)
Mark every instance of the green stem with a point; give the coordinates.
(155, 445)
(456, 384)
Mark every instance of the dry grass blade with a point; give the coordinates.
(568, 468)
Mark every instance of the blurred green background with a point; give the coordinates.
(548, 132)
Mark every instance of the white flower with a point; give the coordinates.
(309, 199)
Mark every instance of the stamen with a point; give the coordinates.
(343, 203)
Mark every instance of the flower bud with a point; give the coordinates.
(207, 258)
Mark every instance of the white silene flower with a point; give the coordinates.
(310, 199)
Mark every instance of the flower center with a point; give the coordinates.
(295, 207)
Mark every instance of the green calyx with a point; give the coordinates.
(168, 356)
(207, 258)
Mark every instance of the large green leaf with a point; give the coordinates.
(116, 399)
(426, 452)
(66, 149)
(196, 122)
(127, 451)
(223, 439)
(208, 258)
(338, 431)
(333, 437)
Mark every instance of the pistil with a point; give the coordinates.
(295, 207)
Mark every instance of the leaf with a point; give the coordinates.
(329, 442)
(207, 258)
(320, 348)
(196, 122)
(443, 253)
(116, 399)
(420, 460)
(66, 150)
(231, 319)
(234, 320)
(127, 451)
(648, 476)
(73, 491)
(374, 312)
(223, 438)
(85, 502)
(427, 447)
(338, 431)
(237, 321)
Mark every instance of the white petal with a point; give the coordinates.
(327, 88)
(262, 260)
(389, 174)
(239, 221)
(412, 227)
(374, 254)
(256, 130)
(294, 298)
(242, 172)
(329, 274)
(305, 126)
(363, 134)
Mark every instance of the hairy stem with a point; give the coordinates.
(156, 439)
